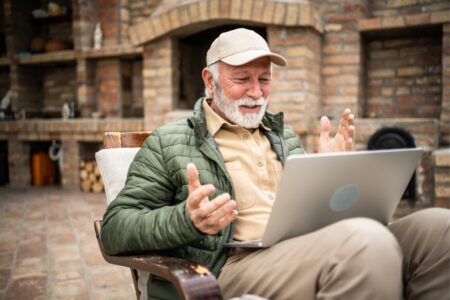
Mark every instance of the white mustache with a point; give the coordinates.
(251, 102)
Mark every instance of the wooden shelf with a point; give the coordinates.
(50, 57)
(128, 51)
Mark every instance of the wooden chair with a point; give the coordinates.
(192, 280)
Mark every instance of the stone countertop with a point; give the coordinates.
(78, 129)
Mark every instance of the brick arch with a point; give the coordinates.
(202, 12)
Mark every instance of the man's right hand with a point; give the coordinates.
(208, 216)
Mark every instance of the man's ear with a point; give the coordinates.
(208, 80)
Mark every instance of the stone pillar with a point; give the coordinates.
(70, 173)
(160, 84)
(19, 163)
(442, 178)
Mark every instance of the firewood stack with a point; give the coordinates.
(91, 181)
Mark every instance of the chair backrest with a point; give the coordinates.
(124, 139)
(113, 161)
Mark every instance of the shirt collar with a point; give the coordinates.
(214, 121)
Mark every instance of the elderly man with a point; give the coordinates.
(201, 182)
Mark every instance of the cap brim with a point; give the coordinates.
(242, 58)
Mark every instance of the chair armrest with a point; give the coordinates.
(192, 280)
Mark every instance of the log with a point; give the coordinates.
(86, 185)
(97, 187)
(89, 166)
(84, 174)
(96, 170)
(92, 178)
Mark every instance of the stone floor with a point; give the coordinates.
(48, 248)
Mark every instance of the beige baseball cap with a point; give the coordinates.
(240, 46)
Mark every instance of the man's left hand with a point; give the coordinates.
(344, 138)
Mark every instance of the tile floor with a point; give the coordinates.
(48, 248)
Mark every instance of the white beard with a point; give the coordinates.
(230, 108)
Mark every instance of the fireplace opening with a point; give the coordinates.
(395, 138)
(192, 58)
(44, 163)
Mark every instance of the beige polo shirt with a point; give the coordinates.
(254, 170)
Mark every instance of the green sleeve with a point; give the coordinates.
(144, 216)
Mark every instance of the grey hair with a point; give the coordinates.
(214, 70)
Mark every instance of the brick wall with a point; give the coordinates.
(84, 20)
(19, 163)
(70, 164)
(137, 86)
(159, 77)
(442, 178)
(108, 15)
(141, 9)
(296, 88)
(407, 7)
(342, 67)
(404, 77)
(445, 110)
(59, 86)
(109, 87)
(86, 88)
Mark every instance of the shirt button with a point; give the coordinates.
(260, 164)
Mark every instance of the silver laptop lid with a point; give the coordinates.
(316, 190)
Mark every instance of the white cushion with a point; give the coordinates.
(113, 164)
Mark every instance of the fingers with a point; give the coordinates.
(207, 216)
(192, 174)
(325, 127)
(214, 215)
(199, 196)
(345, 135)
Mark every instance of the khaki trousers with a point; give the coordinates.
(352, 259)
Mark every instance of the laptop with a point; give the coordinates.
(316, 190)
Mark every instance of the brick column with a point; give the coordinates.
(160, 84)
(8, 26)
(86, 87)
(296, 88)
(84, 20)
(70, 173)
(109, 87)
(109, 17)
(19, 163)
(445, 113)
(442, 178)
(342, 57)
(124, 21)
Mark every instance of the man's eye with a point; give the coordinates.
(241, 79)
(264, 80)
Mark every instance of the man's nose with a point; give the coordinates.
(254, 91)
